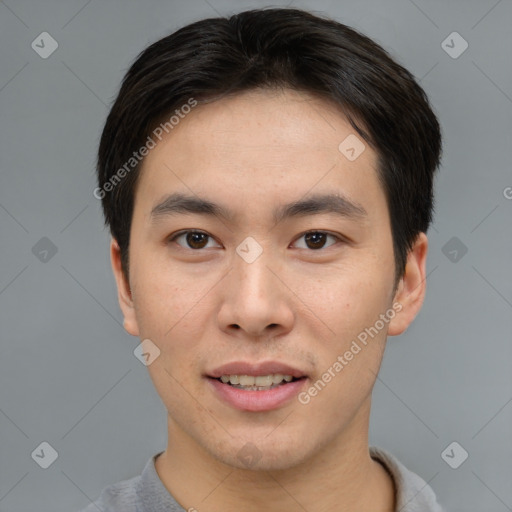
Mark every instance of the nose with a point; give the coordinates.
(255, 302)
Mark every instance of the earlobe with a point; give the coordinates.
(124, 294)
(411, 288)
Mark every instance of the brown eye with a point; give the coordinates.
(317, 239)
(194, 239)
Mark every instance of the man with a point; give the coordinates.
(267, 179)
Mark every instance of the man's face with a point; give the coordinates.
(206, 300)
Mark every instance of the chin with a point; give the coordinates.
(256, 456)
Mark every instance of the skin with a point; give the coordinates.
(295, 304)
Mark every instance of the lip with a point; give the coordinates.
(256, 401)
(256, 369)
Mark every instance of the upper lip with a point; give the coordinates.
(256, 369)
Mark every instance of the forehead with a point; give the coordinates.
(259, 119)
(258, 146)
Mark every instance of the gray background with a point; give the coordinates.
(68, 375)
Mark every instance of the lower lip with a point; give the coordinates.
(257, 400)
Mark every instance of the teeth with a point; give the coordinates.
(259, 381)
(246, 380)
(277, 378)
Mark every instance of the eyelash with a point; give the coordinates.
(172, 238)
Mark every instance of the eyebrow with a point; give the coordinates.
(178, 203)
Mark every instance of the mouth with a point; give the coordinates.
(257, 383)
(256, 387)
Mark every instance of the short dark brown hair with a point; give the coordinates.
(278, 48)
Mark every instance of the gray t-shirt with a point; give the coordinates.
(147, 493)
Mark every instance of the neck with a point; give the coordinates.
(339, 477)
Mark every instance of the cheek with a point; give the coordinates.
(346, 298)
(348, 356)
(347, 305)
(173, 318)
(173, 311)
(167, 302)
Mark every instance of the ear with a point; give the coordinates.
(124, 294)
(411, 288)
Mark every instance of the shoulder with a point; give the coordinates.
(118, 497)
(123, 496)
(144, 492)
(413, 494)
